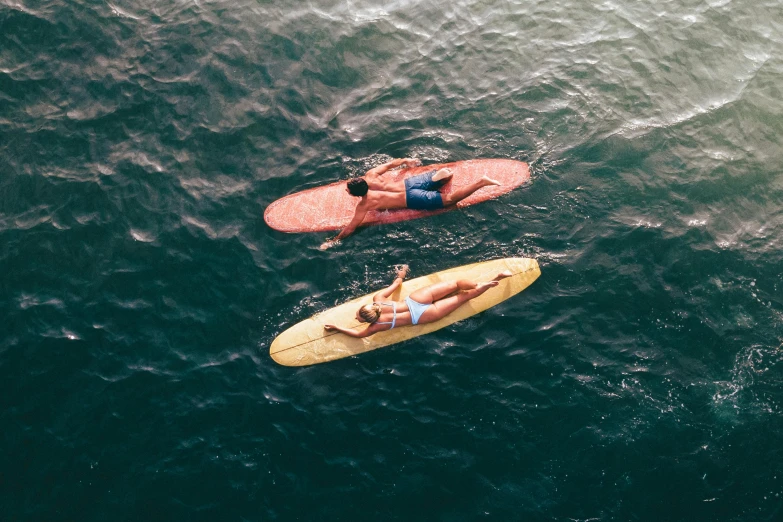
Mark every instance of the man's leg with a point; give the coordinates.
(442, 176)
(463, 192)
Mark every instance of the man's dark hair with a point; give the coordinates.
(357, 187)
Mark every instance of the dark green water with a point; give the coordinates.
(638, 379)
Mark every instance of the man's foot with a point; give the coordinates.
(489, 181)
(503, 275)
(442, 174)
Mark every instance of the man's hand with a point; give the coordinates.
(328, 244)
(412, 162)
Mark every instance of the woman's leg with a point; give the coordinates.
(443, 307)
(432, 293)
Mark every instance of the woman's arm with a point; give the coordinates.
(350, 331)
(389, 290)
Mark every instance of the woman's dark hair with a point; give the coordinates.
(357, 187)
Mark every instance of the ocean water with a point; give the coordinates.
(638, 379)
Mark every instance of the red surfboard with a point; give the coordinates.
(330, 207)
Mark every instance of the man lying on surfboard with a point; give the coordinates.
(425, 305)
(420, 192)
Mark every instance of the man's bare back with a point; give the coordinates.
(377, 193)
(384, 194)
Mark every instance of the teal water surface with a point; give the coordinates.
(638, 379)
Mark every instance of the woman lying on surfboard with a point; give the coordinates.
(425, 305)
(420, 192)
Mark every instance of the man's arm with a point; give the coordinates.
(358, 217)
(382, 169)
(389, 290)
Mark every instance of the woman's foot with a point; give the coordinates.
(503, 275)
(487, 285)
(486, 181)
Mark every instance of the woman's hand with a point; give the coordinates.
(402, 271)
(412, 162)
(330, 327)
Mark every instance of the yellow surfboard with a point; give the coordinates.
(308, 343)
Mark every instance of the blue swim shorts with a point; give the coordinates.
(421, 193)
